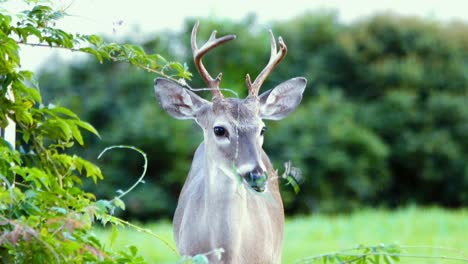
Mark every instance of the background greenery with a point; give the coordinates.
(429, 232)
(384, 120)
(383, 124)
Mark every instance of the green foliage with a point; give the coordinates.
(39, 23)
(124, 109)
(45, 215)
(383, 120)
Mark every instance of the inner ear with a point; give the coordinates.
(263, 97)
(177, 100)
(279, 102)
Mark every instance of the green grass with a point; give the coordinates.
(305, 236)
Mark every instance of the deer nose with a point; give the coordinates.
(257, 180)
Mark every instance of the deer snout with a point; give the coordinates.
(257, 180)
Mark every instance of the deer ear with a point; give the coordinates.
(176, 100)
(279, 102)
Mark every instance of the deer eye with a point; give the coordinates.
(262, 132)
(219, 131)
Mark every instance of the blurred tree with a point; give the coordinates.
(413, 94)
(343, 163)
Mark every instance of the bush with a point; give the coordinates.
(45, 215)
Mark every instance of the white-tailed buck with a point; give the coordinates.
(231, 198)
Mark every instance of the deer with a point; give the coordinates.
(223, 204)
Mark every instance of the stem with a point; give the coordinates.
(40, 147)
(46, 46)
(42, 153)
(211, 89)
(145, 166)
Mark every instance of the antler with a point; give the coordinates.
(212, 43)
(275, 58)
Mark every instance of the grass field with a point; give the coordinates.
(318, 234)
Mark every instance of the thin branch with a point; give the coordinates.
(40, 147)
(211, 89)
(145, 166)
(146, 231)
(47, 46)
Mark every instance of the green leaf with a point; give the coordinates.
(62, 110)
(88, 127)
(94, 52)
(59, 210)
(133, 250)
(376, 259)
(118, 203)
(387, 259)
(113, 236)
(27, 31)
(31, 209)
(95, 40)
(161, 58)
(76, 132)
(92, 170)
(103, 206)
(292, 181)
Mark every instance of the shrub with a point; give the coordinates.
(45, 216)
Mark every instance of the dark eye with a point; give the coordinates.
(219, 131)
(264, 129)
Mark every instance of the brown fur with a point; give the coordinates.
(217, 207)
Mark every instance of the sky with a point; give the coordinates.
(119, 17)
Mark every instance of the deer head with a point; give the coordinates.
(233, 128)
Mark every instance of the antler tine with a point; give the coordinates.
(212, 43)
(275, 59)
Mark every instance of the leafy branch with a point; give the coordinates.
(37, 24)
(45, 216)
